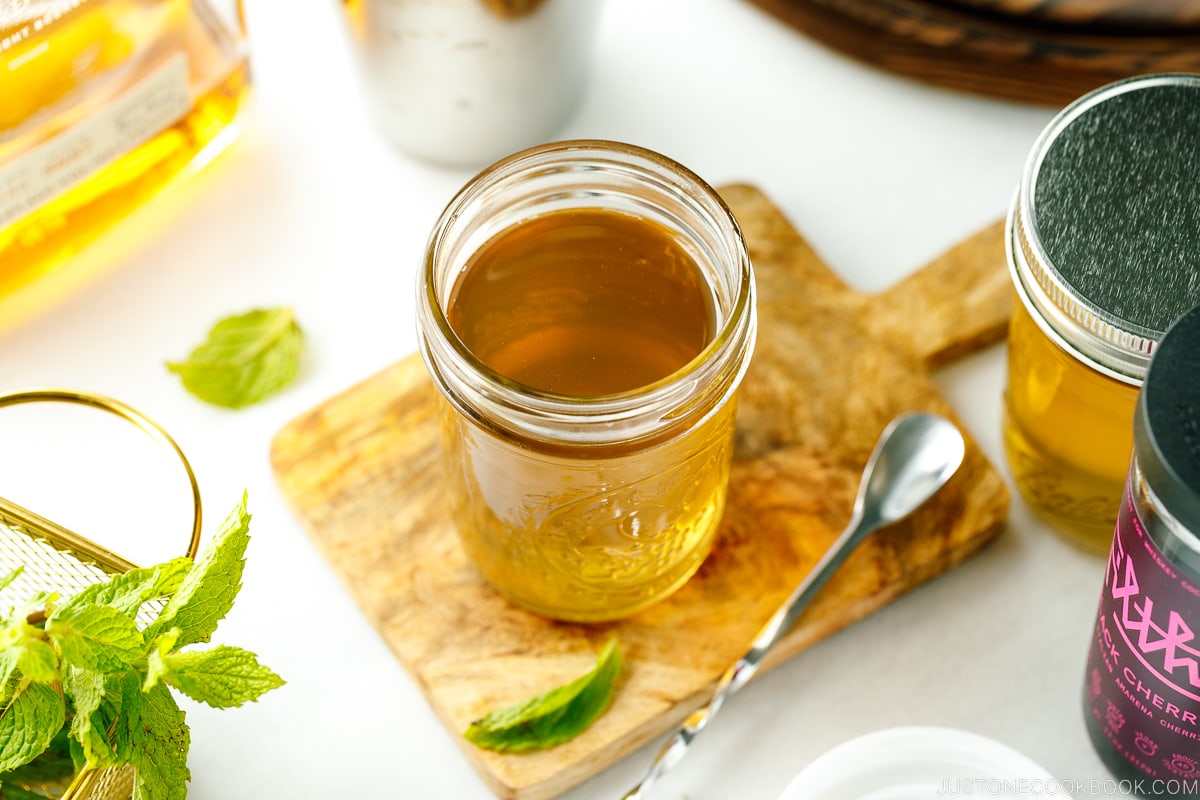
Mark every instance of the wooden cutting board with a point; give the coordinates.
(832, 367)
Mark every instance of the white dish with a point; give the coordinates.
(921, 763)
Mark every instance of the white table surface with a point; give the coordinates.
(310, 208)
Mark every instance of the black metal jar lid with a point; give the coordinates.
(1166, 426)
(1104, 233)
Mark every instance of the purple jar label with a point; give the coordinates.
(1143, 672)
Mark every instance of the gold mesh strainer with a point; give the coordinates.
(59, 560)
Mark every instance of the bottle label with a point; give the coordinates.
(1143, 672)
(66, 160)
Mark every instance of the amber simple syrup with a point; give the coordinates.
(586, 302)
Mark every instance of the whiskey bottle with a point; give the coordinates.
(102, 104)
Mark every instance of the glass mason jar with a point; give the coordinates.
(1104, 251)
(102, 104)
(583, 506)
(1142, 686)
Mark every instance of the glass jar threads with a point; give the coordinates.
(587, 312)
(1142, 685)
(1104, 251)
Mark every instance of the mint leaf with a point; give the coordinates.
(245, 358)
(156, 658)
(8, 668)
(160, 747)
(29, 721)
(37, 661)
(95, 637)
(7, 580)
(51, 772)
(23, 647)
(129, 591)
(554, 717)
(223, 677)
(89, 726)
(207, 592)
(124, 692)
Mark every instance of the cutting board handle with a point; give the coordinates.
(953, 306)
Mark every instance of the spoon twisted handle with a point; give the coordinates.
(738, 675)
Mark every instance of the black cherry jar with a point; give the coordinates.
(1142, 685)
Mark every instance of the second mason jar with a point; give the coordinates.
(1104, 249)
(587, 312)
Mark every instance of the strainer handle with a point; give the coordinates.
(129, 414)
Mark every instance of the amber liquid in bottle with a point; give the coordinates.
(586, 303)
(67, 63)
(583, 303)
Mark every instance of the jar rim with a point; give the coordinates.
(670, 391)
(1122, 348)
(1032, 296)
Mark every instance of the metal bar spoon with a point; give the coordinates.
(915, 455)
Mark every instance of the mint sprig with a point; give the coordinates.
(553, 717)
(245, 358)
(82, 667)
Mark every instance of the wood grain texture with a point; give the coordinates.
(1039, 52)
(832, 368)
(1116, 15)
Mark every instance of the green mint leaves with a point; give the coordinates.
(222, 677)
(245, 358)
(205, 594)
(160, 746)
(80, 681)
(128, 592)
(29, 721)
(94, 637)
(554, 717)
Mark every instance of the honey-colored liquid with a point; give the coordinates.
(58, 75)
(583, 303)
(586, 304)
(1068, 435)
